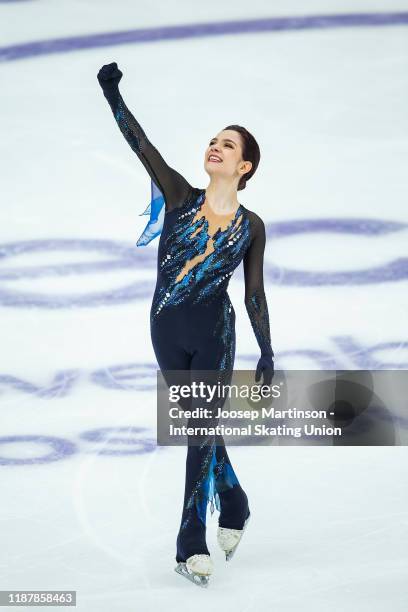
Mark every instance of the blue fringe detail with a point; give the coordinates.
(207, 494)
(224, 475)
(156, 210)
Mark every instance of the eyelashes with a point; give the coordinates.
(227, 145)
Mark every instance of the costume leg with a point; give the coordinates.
(209, 473)
(172, 344)
(232, 499)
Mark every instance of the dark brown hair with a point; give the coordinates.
(250, 152)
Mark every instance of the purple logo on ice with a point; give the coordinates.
(121, 256)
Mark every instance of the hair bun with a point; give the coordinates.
(242, 183)
(250, 152)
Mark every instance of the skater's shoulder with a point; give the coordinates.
(251, 214)
(255, 220)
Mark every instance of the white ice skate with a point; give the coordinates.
(228, 539)
(197, 568)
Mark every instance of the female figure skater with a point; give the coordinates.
(206, 234)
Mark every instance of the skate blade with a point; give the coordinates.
(230, 553)
(198, 579)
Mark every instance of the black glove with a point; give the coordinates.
(267, 367)
(109, 76)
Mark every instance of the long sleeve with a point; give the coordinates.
(174, 187)
(255, 299)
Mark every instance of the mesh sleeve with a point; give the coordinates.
(255, 299)
(174, 187)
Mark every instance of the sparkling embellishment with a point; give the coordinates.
(212, 263)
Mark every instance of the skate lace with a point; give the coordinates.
(198, 557)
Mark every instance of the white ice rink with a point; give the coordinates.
(88, 501)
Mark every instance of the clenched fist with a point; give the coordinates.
(266, 367)
(109, 75)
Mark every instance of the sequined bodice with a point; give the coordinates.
(198, 253)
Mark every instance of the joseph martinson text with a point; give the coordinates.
(210, 426)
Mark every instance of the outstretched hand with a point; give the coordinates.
(109, 75)
(266, 367)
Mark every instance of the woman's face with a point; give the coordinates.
(223, 156)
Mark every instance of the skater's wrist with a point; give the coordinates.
(267, 353)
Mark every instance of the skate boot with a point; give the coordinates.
(233, 519)
(193, 557)
(228, 539)
(197, 568)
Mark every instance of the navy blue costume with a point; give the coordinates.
(192, 319)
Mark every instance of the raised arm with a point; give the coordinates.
(255, 299)
(171, 183)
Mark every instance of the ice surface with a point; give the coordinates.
(89, 503)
